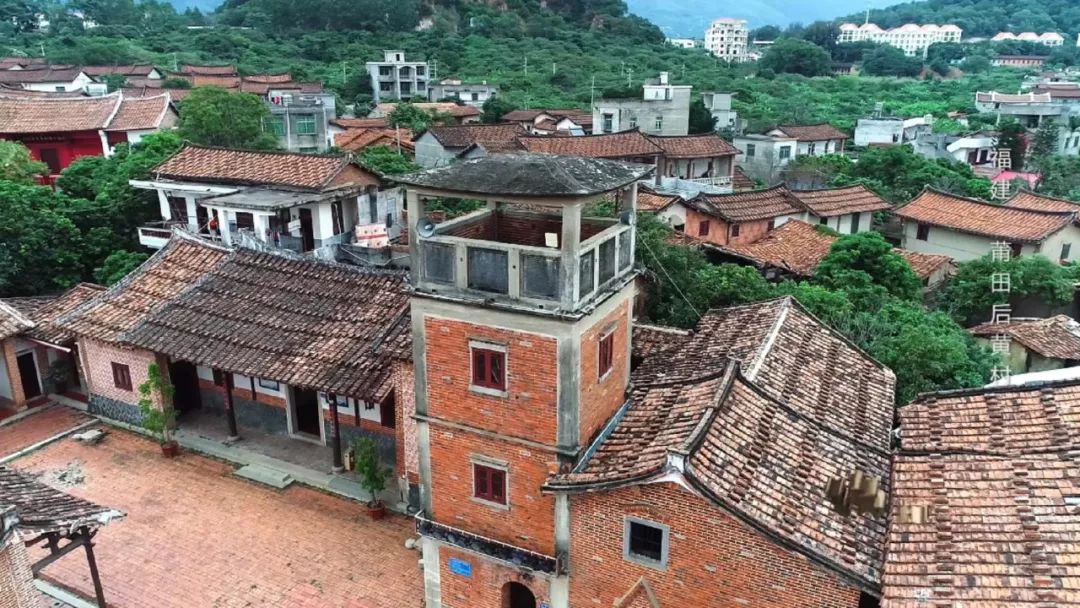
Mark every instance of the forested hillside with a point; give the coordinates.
(985, 17)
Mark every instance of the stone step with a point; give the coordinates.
(265, 475)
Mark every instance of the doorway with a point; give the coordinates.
(28, 373)
(306, 405)
(516, 595)
(185, 379)
(307, 230)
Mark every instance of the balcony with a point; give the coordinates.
(722, 181)
(516, 556)
(156, 234)
(515, 255)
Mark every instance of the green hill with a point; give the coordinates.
(984, 18)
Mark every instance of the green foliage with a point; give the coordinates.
(412, 117)
(1013, 136)
(16, 164)
(158, 421)
(701, 119)
(898, 175)
(887, 60)
(39, 242)
(213, 116)
(175, 83)
(1060, 177)
(118, 265)
(373, 476)
(868, 259)
(1045, 142)
(495, 108)
(793, 56)
(387, 161)
(982, 18)
(969, 296)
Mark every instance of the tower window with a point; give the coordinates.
(645, 542)
(489, 368)
(606, 352)
(489, 483)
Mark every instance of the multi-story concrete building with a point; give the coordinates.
(662, 109)
(469, 93)
(395, 78)
(911, 38)
(728, 39)
(1046, 38)
(719, 105)
(301, 119)
(684, 43)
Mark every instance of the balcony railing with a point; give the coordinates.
(521, 558)
(722, 180)
(156, 234)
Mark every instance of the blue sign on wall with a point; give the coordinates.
(461, 567)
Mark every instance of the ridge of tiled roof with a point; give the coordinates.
(748, 206)
(650, 340)
(56, 114)
(140, 113)
(43, 74)
(1026, 199)
(1057, 337)
(44, 312)
(815, 132)
(605, 145)
(442, 107)
(830, 202)
(756, 394)
(741, 181)
(704, 145)
(136, 69)
(12, 321)
(361, 123)
(314, 172)
(494, 138)
(974, 216)
(353, 140)
(42, 509)
(215, 70)
(648, 200)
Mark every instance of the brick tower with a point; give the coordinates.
(521, 336)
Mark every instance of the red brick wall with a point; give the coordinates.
(718, 229)
(521, 229)
(484, 588)
(529, 522)
(530, 409)
(600, 398)
(18, 396)
(405, 391)
(750, 232)
(16, 581)
(100, 356)
(714, 560)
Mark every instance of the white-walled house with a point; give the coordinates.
(46, 79)
(814, 140)
(764, 156)
(965, 229)
(299, 202)
(846, 210)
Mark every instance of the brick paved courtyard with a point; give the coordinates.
(39, 426)
(195, 536)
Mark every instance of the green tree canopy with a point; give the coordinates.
(39, 243)
(794, 56)
(867, 258)
(17, 165)
(969, 296)
(385, 160)
(213, 116)
(887, 60)
(701, 119)
(495, 108)
(118, 265)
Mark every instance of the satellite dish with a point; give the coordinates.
(425, 227)
(628, 217)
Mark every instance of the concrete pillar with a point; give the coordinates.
(18, 395)
(223, 226)
(262, 227)
(571, 253)
(192, 213)
(163, 204)
(416, 213)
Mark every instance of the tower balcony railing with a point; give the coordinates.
(516, 556)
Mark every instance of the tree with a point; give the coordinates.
(1013, 137)
(384, 160)
(213, 116)
(701, 119)
(793, 56)
(1045, 142)
(969, 296)
(867, 258)
(39, 244)
(853, 52)
(16, 164)
(887, 60)
(822, 33)
(495, 108)
(118, 265)
(1060, 177)
(414, 118)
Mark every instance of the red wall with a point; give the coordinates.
(69, 146)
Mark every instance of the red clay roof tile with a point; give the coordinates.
(626, 144)
(977, 217)
(1038, 202)
(707, 145)
(248, 167)
(748, 206)
(841, 201)
(819, 132)
(1057, 337)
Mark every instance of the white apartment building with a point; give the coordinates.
(1047, 38)
(394, 78)
(728, 39)
(911, 38)
(684, 43)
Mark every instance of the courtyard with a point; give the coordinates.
(195, 535)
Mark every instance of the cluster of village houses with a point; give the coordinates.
(554, 451)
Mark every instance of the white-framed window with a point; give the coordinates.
(491, 481)
(646, 542)
(488, 374)
(659, 124)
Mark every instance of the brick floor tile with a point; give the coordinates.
(38, 426)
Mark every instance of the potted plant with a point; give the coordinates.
(158, 421)
(60, 375)
(372, 474)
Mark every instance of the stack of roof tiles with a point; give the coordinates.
(1055, 338)
(993, 473)
(1012, 223)
(767, 404)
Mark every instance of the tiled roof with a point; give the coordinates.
(625, 144)
(841, 201)
(651, 340)
(1057, 337)
(247, 167)
(651, 201)
(141, 113)
(360, 123)
(42, 509)
(522, 115)
(741, 181)
(1026, 199)
(353, 140)
(799, 247)
(175, 95)
(52, 115)
(45, 311)
(997, 470)
(303, 322)
(142, 69)
(976, 217)
(557, 113)
(44, 74)
(818, 132)
(171, 270)
(767, 405)
(494, 138)
(707, 145)
(747, 206)
(441, 107)
(218, 70)
(12, 321)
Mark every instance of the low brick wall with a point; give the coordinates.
(100, 405)
(249, 414)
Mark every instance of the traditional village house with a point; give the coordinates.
(438, 146)
(984, 499)
(630, 146)
(966, 229)
(39, 357)
(707, 159)
(1026, 199)
(57, 79)
(795, 249)
(59, 130)
(551, 121)
(669, 207)
(846, 210)
(355, 140)
(743, 217)
(1035, 345)
(473, 94)
(256, 344)
(459, 114)
(298, 202)
(138, 70)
